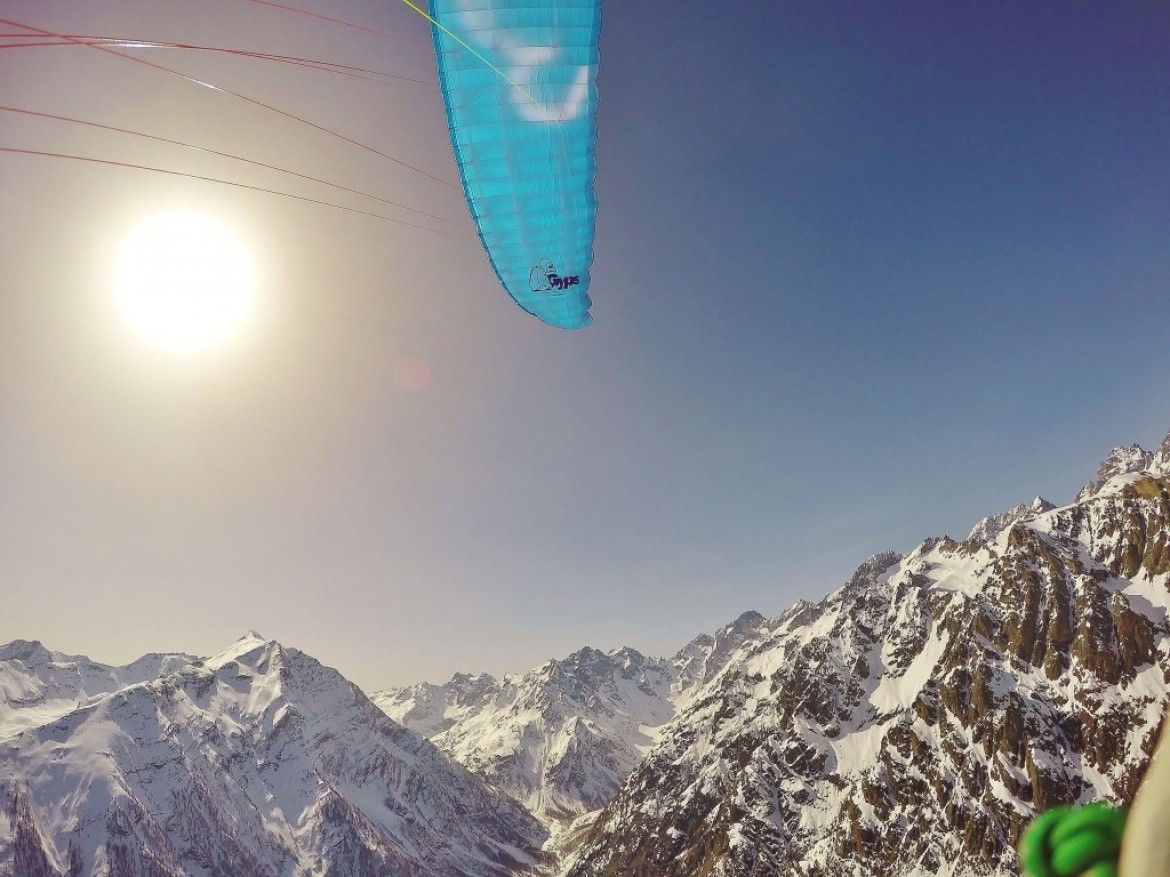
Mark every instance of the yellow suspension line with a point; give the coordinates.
(460, 41)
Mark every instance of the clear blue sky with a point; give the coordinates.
(865, 272)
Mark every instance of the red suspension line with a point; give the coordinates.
(234, 94)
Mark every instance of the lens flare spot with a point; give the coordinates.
(412, 374)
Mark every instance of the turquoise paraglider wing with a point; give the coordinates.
(519, 79)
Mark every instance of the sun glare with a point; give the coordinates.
(184, 281)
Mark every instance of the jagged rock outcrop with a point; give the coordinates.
(1126, 461)
(990, 527)
(698, 662)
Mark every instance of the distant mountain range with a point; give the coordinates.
(259, 762)
(911, 723)
(562, 738)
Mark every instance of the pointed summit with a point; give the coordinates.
(745, 623)
(1041, 505)
(1121, 461)
(1160, 464)
(249, 643)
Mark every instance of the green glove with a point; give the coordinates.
(1074, 842)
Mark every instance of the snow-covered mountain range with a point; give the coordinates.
(909, 724)
(259, 761)
(562, 738)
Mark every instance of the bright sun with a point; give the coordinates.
(184, 280)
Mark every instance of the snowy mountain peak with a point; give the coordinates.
(700, 660)
(629, 659)
(469, 679)
(584, 656)
(596, 665)
(877, 565)
(25, 651)
(559, 738)
(697, 646)
(1126, 461)
(1160, 464)
(746, 622)
(251, 649)
(989, 528)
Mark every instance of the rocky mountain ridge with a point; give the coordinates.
(914, 722)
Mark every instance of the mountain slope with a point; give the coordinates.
(258, 762)
(913, 722)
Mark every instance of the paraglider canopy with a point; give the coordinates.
(519, 79)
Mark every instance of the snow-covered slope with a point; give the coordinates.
(258, 762)
(913, 722)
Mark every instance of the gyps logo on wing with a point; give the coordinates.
(544, 277)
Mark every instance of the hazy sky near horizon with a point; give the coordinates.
(865, 272)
